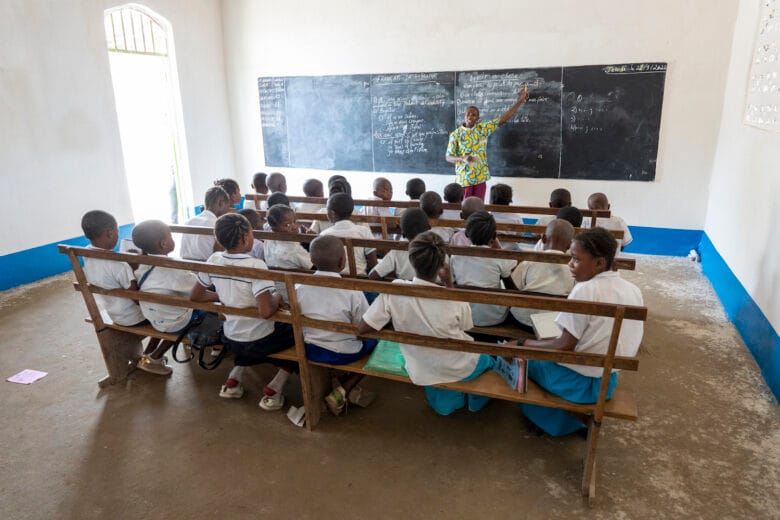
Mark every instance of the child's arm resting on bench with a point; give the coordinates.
(566, 341)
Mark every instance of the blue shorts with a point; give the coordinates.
(196, 314)
(444, 401)
(568, 384)
(323, 355)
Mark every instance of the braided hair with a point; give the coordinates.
(481, 228)
(276, 213)
(427, 253)
(230, 229)
(214, 195)
(229, 185)
(599, 243)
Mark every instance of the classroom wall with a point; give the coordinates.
(743, 214)
(60, 152)
(342, 37)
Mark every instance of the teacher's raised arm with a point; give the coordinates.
(467, 148)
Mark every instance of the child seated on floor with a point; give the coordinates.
(592, 256)
(430, 203)
(260, 188)
(335, 305)
(439, 318)
(612, 223)
(453, 194)
(340, 207)
(250, 340)
(200, 247)
(256, 221)
(414, 188)
(396, 262)
(501, 195)
(468, 207)
(545, 277)
(154, 238)
(559, 198)
(276, 183)
(232, 189)
(473, 271)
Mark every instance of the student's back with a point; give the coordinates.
(200, 247)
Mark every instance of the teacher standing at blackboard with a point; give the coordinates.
(467, 148)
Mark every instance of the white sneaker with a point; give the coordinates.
(154, 366)
(232, 392)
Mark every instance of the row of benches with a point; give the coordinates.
(121, 346)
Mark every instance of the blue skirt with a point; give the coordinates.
(565, 383)
(323, 355)
(444, 401)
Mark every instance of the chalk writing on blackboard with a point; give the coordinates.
(762, 106)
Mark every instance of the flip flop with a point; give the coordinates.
(271, 403)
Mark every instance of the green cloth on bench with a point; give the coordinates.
(387, 358)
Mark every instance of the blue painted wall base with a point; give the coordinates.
(40, 262)
(754, 327)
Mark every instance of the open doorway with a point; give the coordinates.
(146, 91)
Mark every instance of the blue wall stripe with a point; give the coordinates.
(757, 332)
(40, 262)
(663, 241)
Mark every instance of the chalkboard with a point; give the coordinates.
(589, 122)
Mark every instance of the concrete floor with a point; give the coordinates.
(707, 444)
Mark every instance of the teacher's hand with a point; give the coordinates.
(471, 158)
(524, 94)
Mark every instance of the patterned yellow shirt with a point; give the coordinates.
(464, 141)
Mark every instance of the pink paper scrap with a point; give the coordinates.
(27, 377)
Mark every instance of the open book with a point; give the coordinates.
(545, 326)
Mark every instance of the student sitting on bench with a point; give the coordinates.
(453, 193)
(468, 207)
(559, 198)
(250, 340)
(312, 188)
(396, 262)
(256, 220)
(337, 305)
(613, 223)
(592, 255)
(430, 317)
(340, 207)
(430, 203)
(200, 247)
(232, 189)
(501, 195)
(414, 188)
(260, 187)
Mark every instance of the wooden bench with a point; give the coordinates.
(121, 346)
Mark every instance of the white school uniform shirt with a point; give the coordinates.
(377, 211)
(199, 247)
(286, 255)
(339, 305)
(258, 249)
(110, 274)
(396, 261)
(348, 229)
(171, 282)
(444, 232)
(309, 207)
(239, 292)
(613, 223)
(460, 239)
(508, 218)
(250, 204)
(593, 332)
(318, 226)
(541, 277)
(438, 318)
(451, 214)
(483, 272)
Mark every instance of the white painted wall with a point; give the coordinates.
(743, 214)
(60, 153)
(345, 37)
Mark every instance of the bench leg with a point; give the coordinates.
(316, 387)
(121, 351)
(589, 466)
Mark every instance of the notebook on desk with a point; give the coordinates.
(544, 325)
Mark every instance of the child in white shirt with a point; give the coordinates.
(284, 254)
(545, 277)
(430, 203)
(483, 272)
(312, 188)
(469, 206)
(233, 190)
(335, 305)
(336, 184)
(383, 190)
(501, 195)
(559, 198)
(613, 223)
(260, 188)
(396, 262)
(340, 207)
(592, 256)
(250, 340)
(431, 317)
(453, 194)
(200, 247)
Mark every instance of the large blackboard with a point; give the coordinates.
(590, 122)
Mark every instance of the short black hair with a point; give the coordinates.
(214, 195)
(326, 252)
(415, 187)
(253, 217)
(427, 254)
(571, 215)
(94, 223)
(276, 213)
(413, 222)
(501, 194)
(258, 179)
(599, 243)
(278, 198)
(274, 181)
(229, 229)
(481, 228)
(430, 203)
(229, 185)
(559, 198)
(342, 205)
(339, 185)
(453, 192)
(336, 177)
(148, 234)
(312, 186)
